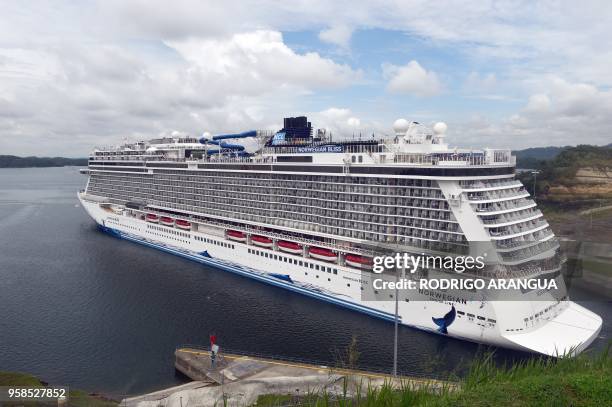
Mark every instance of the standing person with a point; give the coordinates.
(213, 349)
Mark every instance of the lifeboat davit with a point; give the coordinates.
(323, 254)
(164, 220)
(183, 224)
(360, 262)
(237, 236)
(289, 247)
(261, 241)
(152, 218)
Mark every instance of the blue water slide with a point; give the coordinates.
(235, 147)
(223, 145)
(246, 134)
(204, 140)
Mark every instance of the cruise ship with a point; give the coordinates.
(304, 211)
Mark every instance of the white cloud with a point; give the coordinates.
(341, 122)
(411, 79)
(353, 122)
(483, 86)
(80, 95)
(538, 104)
(77, 74)
(339, 35)
(564, 113)
(260, 61)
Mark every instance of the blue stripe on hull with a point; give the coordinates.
(273, 281)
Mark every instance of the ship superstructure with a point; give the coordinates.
(307, 213)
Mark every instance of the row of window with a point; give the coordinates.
(290, 260)
(112, 221)
(169, 229)
(215, 242)
(544, 311)
(166, 234)
(478, 317)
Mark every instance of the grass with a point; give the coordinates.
(585, 380)
(76, 398)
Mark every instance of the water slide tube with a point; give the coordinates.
(228, 146)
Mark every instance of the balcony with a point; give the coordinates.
(518, 229)
(532, 251)
(509, 219)
(511, 245)
(477, 186)
(504, 207)
(496, 196)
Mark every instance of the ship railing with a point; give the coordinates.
(522, 254)
(517, 244)
(513, 229)
(486, 196)
(469, 185)
(527, 272)
(372, 147)
(250, 160)
(500, 219)
(515, 205)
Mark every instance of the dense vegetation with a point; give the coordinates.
(557, 182)
(533, 157)
(585, 380)
(11, 161)
(538, 156)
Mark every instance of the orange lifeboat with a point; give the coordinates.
(323, 254)
(289, 247)
(360, 262)
(183, 224)
(164, 220)
(151, 217)
(237, 236)
(261, 241)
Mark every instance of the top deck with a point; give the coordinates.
(412, 145)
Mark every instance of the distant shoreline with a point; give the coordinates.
(12, 161)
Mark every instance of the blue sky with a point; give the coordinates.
(501, 73)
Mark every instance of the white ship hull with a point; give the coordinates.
(566, 327)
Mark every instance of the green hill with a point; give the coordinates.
(12, 161)
(580, 176)
(533, 157)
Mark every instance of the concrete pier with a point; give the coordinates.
(239, 380)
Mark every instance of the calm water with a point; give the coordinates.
(83, 309)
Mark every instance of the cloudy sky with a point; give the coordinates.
(501, 73)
